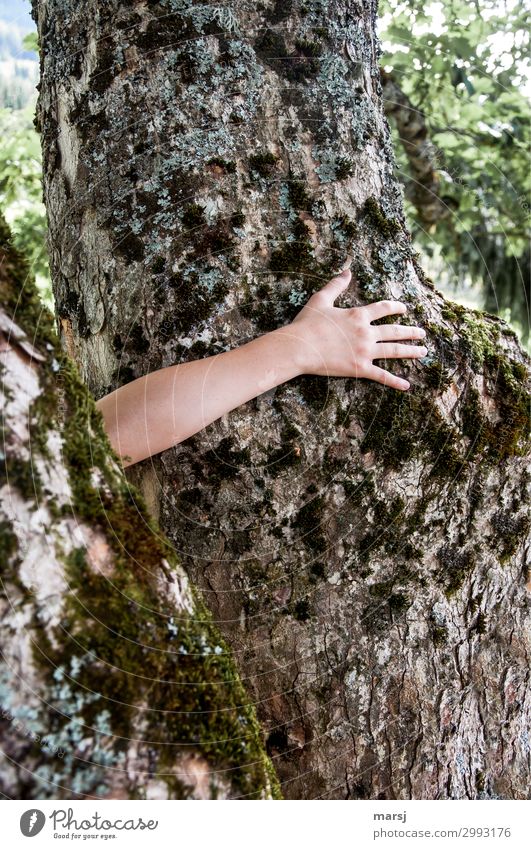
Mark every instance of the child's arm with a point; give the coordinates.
(167, 406)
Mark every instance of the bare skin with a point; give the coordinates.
(165, 407)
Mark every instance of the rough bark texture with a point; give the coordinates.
(206, 168)
(113, 681)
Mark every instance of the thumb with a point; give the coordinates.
(336, 286)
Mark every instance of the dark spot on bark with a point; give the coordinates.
(317, 571)
(282, 10)
(301, 610)
(295, 66)
(308, 522)
(226, 459)
(149, 200)
(277, 742)
(194, 303)
(344, 168)
(289, 453)
(510, 531)
(105, 71)
(360, 791)
(399, 602)
(457, 563)
(67, 307)
(136, 342)
(130, 247)
(347, 226)
(436, 376)
(193, 216)
(263, 163)
(295, 256)
(315, 390)
(237, 219)
(228, 166)
(159, 264)
(298, 196)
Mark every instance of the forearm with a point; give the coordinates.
(159, 410)
(167, 406)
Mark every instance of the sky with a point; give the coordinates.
(17, 12)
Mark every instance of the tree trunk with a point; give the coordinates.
(114, 681)
(206, 169)
(423, 188)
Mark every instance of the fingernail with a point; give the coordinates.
(422, 333)
(405, 384)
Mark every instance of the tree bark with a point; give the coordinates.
(363, 551)
(114, 681)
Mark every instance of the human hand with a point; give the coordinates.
(337, 342)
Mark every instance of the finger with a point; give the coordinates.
(335, 286)
(387, 332)
(395, 349)
(382, 308)
(380, 375)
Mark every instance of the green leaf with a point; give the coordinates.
(30, 42)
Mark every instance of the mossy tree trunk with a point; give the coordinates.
(206, 169)
(114, 682)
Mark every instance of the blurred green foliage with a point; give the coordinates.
(20, 150)
(466, 66)
(21, 189)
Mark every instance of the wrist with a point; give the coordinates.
(288, 344)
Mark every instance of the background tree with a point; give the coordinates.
(206, 168)
(463, 69)
(114, 681)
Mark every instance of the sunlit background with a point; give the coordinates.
(463, 69)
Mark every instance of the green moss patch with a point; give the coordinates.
(120, 648)
(373, 213)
